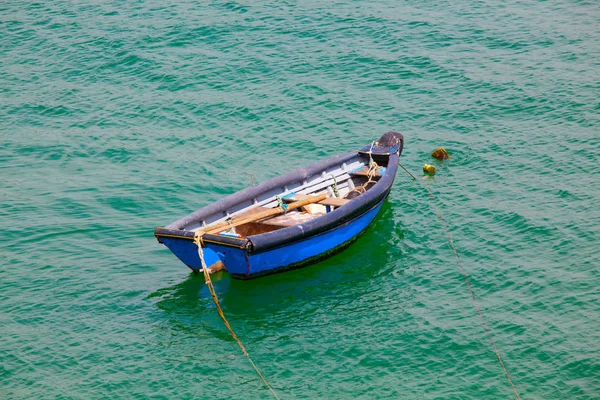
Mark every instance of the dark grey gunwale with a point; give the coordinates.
(387, 150)
(281, 237)
(253, 191)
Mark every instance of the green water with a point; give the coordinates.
(116, 117)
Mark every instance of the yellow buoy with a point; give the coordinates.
(429, 169)
(440, 154)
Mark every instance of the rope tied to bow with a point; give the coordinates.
(211, 288)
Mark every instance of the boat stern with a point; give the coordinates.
(232, 252)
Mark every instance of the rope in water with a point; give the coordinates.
(465, 276)
(211, 289)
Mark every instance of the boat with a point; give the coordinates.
(292, 220)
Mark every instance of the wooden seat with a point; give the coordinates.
(271, 223)
(333, 201)
(329, 201)
(293, 218)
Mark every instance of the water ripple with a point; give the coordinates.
(116, 118)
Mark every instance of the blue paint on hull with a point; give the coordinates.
(291, 246)
(243, 265)
(187, 252)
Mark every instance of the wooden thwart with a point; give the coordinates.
(334, 201)
(262, 214)
(328, 201)
(290, 219)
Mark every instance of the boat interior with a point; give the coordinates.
(337, 185)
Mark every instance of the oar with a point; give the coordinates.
(264, 214)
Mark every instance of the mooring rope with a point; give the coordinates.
(211, 289)
(372, 171)
(465, 276)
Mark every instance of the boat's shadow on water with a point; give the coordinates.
(371, 256)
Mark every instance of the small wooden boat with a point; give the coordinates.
(292, 220)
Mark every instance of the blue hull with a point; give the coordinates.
(353, 200)
(243, 265)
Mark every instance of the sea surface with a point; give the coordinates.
(117, 117)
